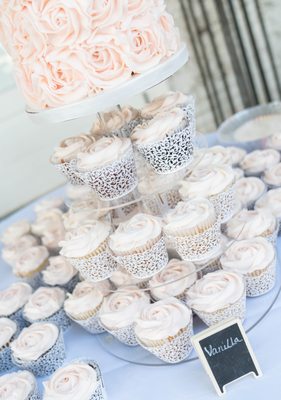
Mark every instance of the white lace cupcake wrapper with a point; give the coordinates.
(125, 335)
(115, 180)
(91, 325)
(157, 204)
(59, 318)
(48, 362)
(95, 268)
(224, 204)
(272, 237)
(147, 263)
(68, 169)
(256, 285)
(199, 246)
(235, 310)
(173, 350)
(213, 265)
(170, 154)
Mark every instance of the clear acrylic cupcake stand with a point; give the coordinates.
(124, 207)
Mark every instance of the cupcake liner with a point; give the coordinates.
(272, 236)
(157, 204)
(189, 110)
(127, 128)
(6, 362)
(198, 246)
(147, 262)
(173, 349)
(68, 169)
(172, 153)
(235, 310)
(261, 281)
(211, 266)
(131, 207)
(125, 335)
(35, 394)
(46, 364)
(224, 204)
(91, 324)
(18, 318)
(59, 318)
(114, 180)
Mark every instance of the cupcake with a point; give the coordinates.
(64, 156)
(166, 141)
(248, 224)
(274, 141)
(12, 300)
(214, 183)
(236, 155)
(15, 232)
(11, 253)
(86, 249)
(257, 161)
(248, 190)
(121, 278)
(20, 385)
(271, 202)
(119, 311)
(46, 305)
(214, 155)
(139, 247)
(174, 280)
(83, 304)
(255, 260)
(59, 272)
(49, 227)
(165, 329)
(8, 329)
(39, 349)
(272, 176)
(80, 379)
(193, 229)
(49, 204)
(218, 296)
(211, 263)
(108, 167)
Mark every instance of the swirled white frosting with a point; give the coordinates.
(103, 152)
(13, 298)
(84, 240)
(162, 319)
(271, 201)
(250, 223)
(207, 182)
(58, 272)
(11, 253)
(34, 341)
(159, 127)
(49, 221)
(7, 330)
(77, 380)
(238, 173)
(189, 215)
(272, 175)
(215, 155)
(30, 259)
(77, 192)
(121, 308)
(173, 280)
(70, 147)
(215, 291)
(274, 141)
(121, 277)
(164, 103)
(55, 202)
(249, 255)
(259, 160)
(73, 219)
(43, 303)
(87, 296)
(236, 154)
(249, 189)
(135, 233)
(15, 231)
(17, 385)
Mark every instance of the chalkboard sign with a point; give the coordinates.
(226, 354)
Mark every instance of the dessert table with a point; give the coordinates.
(127, 381)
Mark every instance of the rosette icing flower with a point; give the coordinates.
(11, 253)
(59, 271)
(272, 176)
(70, 147)
(14, 297)
(15, 231)
(164, 103)
(17, 385)
(249, 189)
(32, 260)
(271, 201)
(7, 330)
(259, 160)
(43, 303)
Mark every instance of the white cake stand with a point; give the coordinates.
(113, 97)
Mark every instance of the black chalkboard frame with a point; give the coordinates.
(196, 339)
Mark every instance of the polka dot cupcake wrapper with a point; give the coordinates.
(125, 335)
(6, 362)
(35, 395)
(68, 169)
(91, 325)
(262, 282)
(59, 318)
(34, 281)
(18, 318)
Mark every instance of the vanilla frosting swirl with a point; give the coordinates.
(43, 303)
(162, 319)
(135, 233)
(30, 260)
(207, 182)
(121, 277)
(58, 272)
(7, 330)
(249, 255)
(158, 128)
(164, 103)
(70, 147)
(47, 204)
(17, 385)
(121, 308)
(250, 223)
(103, 152)
(215, 291)
(15, 231)
(34, 341)
(13, 298)
(49, 220)
(215, 155)
(11, 253)
(271, 201)
(84, 240)
(236, 154)
(173, 280)
(272, 175)
(249, 189)
(259, 160)
(274, 141)
(75, 381)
